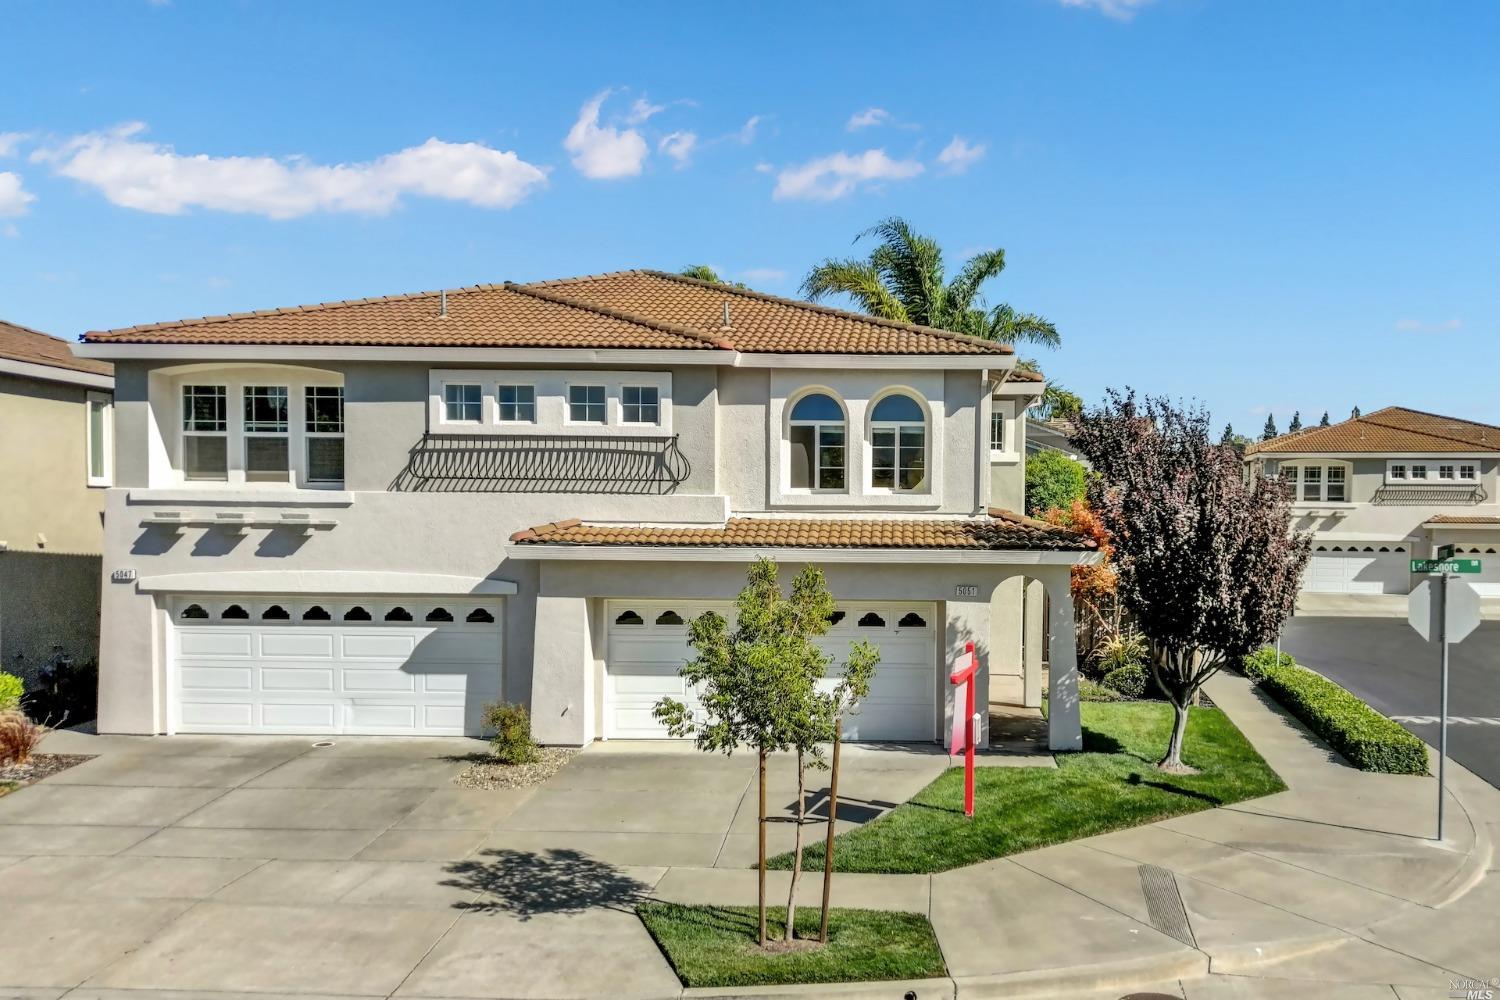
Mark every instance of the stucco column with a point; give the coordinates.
(132, 661)
(1005, 667)
(966, 621)
(1064, 722)
(1031, 642)
(562, 696)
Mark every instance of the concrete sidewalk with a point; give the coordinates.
(1334, 887)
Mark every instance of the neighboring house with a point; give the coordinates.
(1053, 435)
(373, 516)
(1382, 489)
(54, 465)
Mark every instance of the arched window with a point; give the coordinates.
(817, 435)
(871, 620)
(479, 616)
(398, 614)
(356, 614)
(912, 620)
(669, 618)
(898, 444)
(439, 615)
(235, 611)
(194, 611)
(316, 614)
(629, 618)
(837, 617)
(275, 613)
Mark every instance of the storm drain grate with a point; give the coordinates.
(1164, 903)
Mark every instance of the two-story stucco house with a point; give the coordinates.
(374, 516)
(1379, 490)
(55, 424)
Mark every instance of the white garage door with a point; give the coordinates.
(648, 646)
(307, 665)
(1487, 580)
(1370, 569)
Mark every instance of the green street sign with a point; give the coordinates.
(1445, 552)
(1445, 565)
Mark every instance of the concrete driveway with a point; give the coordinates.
(266, 865)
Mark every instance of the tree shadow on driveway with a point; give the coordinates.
(525, 884)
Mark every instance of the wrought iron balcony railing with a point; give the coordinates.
(1426, 496)
(543, 463)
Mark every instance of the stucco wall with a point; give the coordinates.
(1363, 520)
(49, 603)
(44, 490)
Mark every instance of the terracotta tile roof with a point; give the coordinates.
(625, 309)
(1001, 530)
(1393, 429)
(21, 344)
(1480, 519)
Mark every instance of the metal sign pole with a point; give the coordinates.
(1443, 697)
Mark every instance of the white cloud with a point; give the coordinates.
(1120, 10)
(679, 146)
(642, 110)
(746, 134)
(765, 275)
(765, 168)
(152, 177)
(10, 142)
(867, 118)
(14, 198)
(840, 174)
(959, 155)
(1417, 325)
(603, 152)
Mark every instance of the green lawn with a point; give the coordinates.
(1112, 784)
(715, 945)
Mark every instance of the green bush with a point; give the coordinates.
(512, 725)
(11, 689)
(66, 692)
(1053, 481)
(1367, 739)
(1130, 679)
(1092, 690)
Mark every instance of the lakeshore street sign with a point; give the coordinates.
(1445, 565)
(1444, 610)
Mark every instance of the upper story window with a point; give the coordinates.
(898, 444)
(586, 404)
(517, 403)
(1419, 472)
(267, 427)
(997, 431)
(1468, 472)
(205, 432)
(463, 403)
(1436, 471)
(640, 404)
(1317, 483)
(817, 435)
(324, 427)
(100, 439)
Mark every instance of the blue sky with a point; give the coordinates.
(1265, 204)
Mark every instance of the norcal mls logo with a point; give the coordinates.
(1473, 989)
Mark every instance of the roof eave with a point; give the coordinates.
(748, 553)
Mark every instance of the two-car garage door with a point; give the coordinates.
(335, 666)
(1355, 569)
(648, 646)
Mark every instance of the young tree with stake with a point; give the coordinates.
(1208, 564)
(757, 687)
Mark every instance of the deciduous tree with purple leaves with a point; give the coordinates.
(1208, 564)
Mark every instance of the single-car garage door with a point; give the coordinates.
(1487, 580)
(304, 665)
(648, 646)
(1367, 569)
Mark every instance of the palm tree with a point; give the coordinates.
(903, 279)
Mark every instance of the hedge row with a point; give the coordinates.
(1367, 739)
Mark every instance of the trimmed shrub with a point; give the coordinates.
(18, 738)
(1053, 481)
(1092, 690)
(1367, 739)
(1130, 679)
(512, 725)
(11, 689)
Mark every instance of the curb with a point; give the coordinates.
(891, 989)
(1074, 980)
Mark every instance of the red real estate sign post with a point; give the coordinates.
(966, 726)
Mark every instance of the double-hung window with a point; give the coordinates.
(100, 439)
(898, 444)
(1317, 483)
(640, 404)
(463, 403)
(517, 404)
(324, 427)
(586, 404)
(267, 441)
(205, 432)
(997, 431)
(1336, 488)
(817, 440)
(1312, 482)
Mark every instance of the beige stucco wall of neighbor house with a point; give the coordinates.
(49, 604)
(45, 501)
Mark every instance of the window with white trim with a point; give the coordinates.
(463, 403)
(517, 403)
(586, 404)
(898, 444)
(100, 439)
(1445, 472)
(1468, 472)
(1419, 472)
(205, 433)
(1434, 471)
(817, 439)
(267, 434)
(997, 431)
(323, 426)
(640, 404)
(1316, 483)
(1396, 472)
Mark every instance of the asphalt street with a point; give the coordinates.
(1387, 664)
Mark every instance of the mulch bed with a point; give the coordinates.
(39, 766)
(490, 773)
